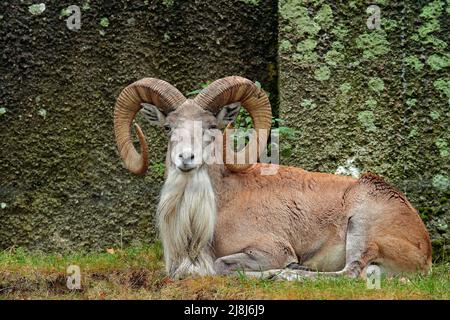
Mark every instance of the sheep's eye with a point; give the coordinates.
(167, 128)
(212, 127)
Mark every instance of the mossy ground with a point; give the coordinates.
(138, 273)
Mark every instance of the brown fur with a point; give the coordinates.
(329, 223)
(300, 216)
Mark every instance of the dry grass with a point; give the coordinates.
(137, 273)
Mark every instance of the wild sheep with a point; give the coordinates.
(219, 218)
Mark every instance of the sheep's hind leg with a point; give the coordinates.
(352, 270)
(292, 274)
(359, 254)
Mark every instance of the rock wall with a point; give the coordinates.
(369, 97)
(62, 184)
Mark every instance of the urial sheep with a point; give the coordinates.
(218, 218)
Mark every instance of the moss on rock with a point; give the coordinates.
(379, 105)
(373, 44)
(413, 62)
(376, 84)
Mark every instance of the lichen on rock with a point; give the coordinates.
(367, 120)
(62, 180)
(37, 9)
(373, 44)
(385, 96)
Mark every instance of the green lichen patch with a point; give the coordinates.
(285, 45)
(345, 87)
(432, 10)
(2, 111)
(306, 45)
(36, 9)
(367, 120)
(308, 104)
(324, 16)
(306, 59)
(373, 44)
(371, 103)
(158, 168)
(340, 31)
(428, 27)
(323, 73)
(337, 45)
(441, 182)
(376, 84)
(442, 146)
(334, 57)
(413, 62)
(104, 22)
(298, 17)
(289, 8)
(86, 6)
(42, 113)
(438, 62)
(424, 34)
(434, 115)
(389, 24)
(353, 4)
(170, 3)
(443, 85)
(411, 102)
(414, 132)
(430, 14)
(65, 12)
(437, 43)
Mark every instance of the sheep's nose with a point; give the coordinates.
(186, 157)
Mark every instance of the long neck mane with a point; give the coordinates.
(186, 218)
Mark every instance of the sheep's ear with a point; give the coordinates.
(152, 114)
(228, 114)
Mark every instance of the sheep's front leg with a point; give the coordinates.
(234, 262)
(252, 260)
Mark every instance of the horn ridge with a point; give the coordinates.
(150, 90)
(238, 89)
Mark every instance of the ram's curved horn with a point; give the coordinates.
(157, 92)
(237, 89)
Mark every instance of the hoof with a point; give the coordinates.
(296, 266)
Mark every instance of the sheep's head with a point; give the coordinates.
(192, 124)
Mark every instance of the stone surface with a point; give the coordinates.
(371, 99)
(62, 184)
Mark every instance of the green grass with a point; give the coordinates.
(138, 273)
(140, 256)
